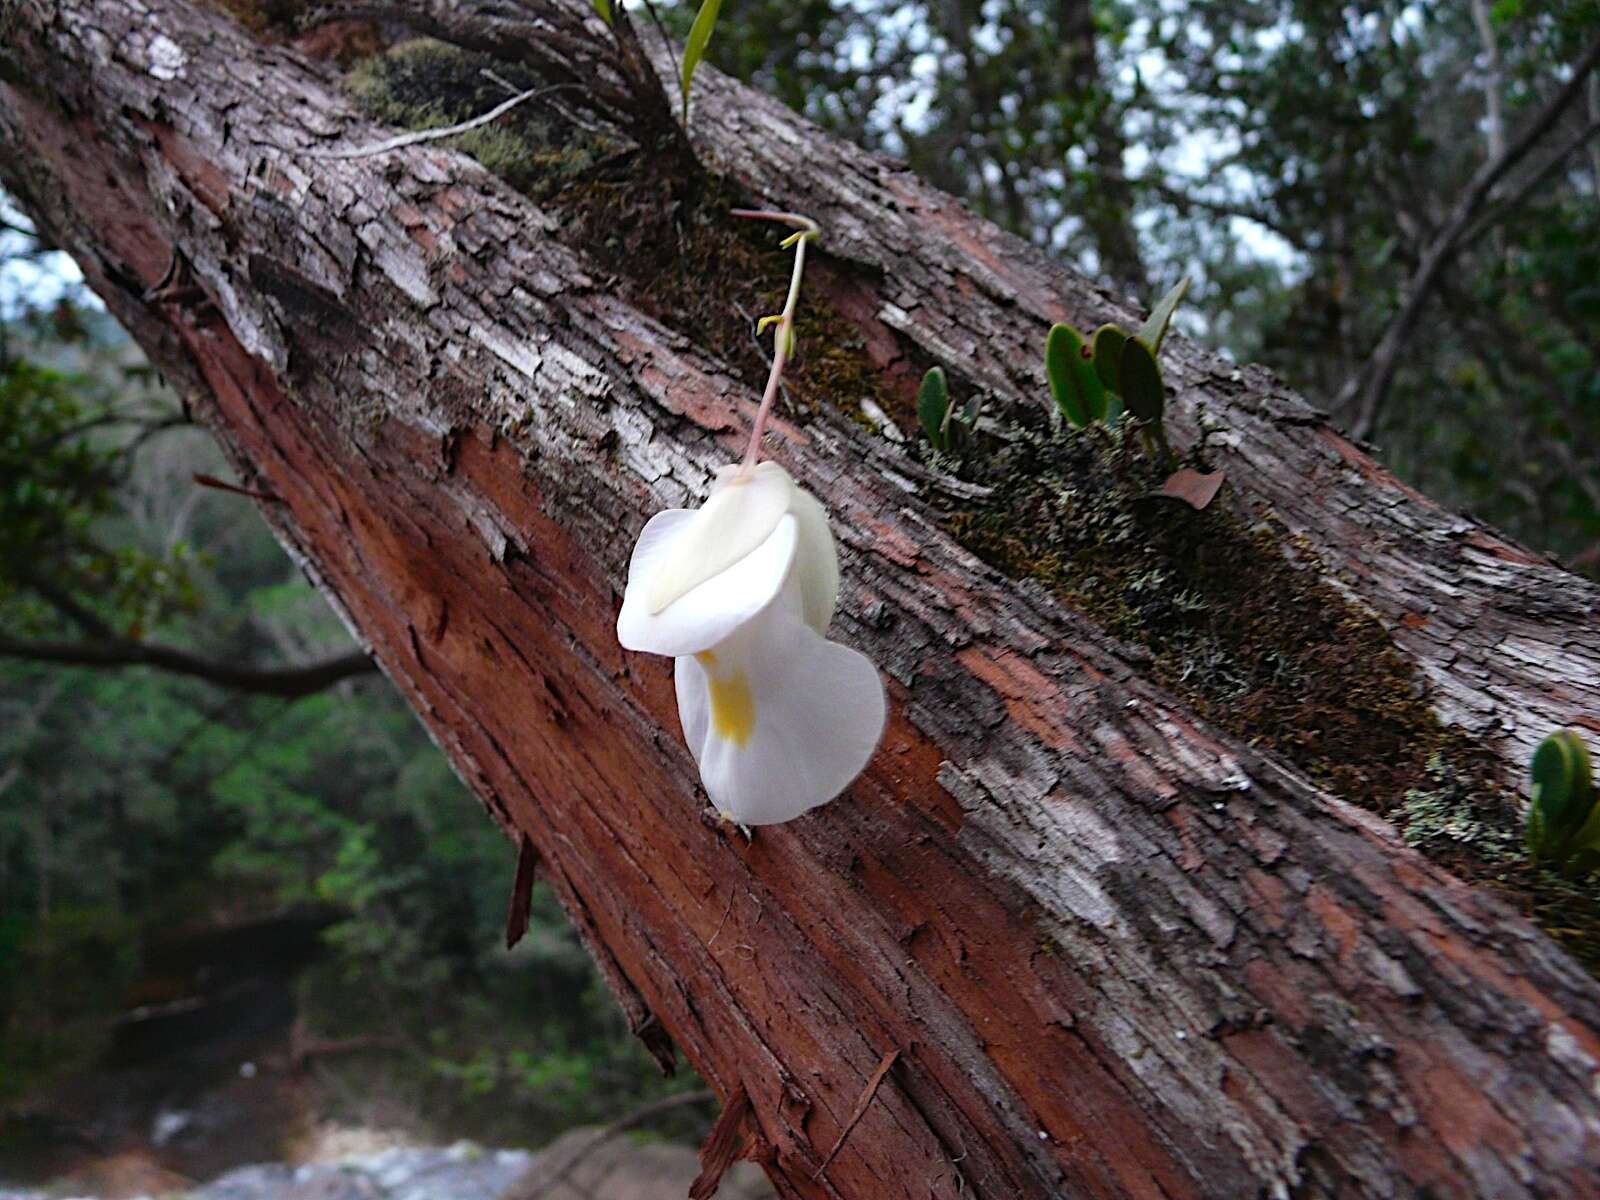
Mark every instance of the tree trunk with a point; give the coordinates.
(1103, 949)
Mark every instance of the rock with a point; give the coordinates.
(621, 1169)
(618, 1169)
(461, 1172)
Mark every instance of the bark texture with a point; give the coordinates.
(1104, 950)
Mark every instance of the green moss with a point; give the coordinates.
(1239, 623)
(1263, 646)
(427, 84)
(667, 239)
(1466, 823)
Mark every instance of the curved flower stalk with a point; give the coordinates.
(740, 592)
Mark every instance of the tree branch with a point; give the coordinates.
(1184, 201)
(1373, 381)
(288, 682)
(1504, 208)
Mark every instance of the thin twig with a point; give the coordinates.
(666, 40)
(862, 1104)
(402, 140)
(637, 1117)
(1504, 208)
(222, 485)
(288, 682)
(725, 915)
(1371, 384)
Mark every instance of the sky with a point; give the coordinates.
(37, 282)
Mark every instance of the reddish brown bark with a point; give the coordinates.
(1117, 953)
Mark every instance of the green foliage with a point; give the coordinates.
(933, 407)
(948, 427)
(58, 497)
(1143, 390)
(1074, 381)
(1563, 817)
(603, 7)
(1106, 350)
(59, 974)
(1154, 329)
(1098, 380)
(694, 49)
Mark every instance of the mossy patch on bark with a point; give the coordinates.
(664, 236)
(1241, 623)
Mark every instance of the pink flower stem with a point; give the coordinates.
(785, 335)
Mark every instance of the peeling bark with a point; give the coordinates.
(1118, 954)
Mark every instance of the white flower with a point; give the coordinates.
(740, 592)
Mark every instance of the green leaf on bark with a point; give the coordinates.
(695, 48)
(1155, 329)
(933, 407)
(1142, 389)
(1107, 351)
(1077, 389)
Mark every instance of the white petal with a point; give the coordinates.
(816, 561)
(739, 515)
(780, 719)
(713, 609)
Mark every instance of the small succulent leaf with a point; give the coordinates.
(1155, 329)
(1107, 349)
(933, 406)
(1142, 389)
(603, 7)
(1078, 392)
(1563, 783)
(694, 49)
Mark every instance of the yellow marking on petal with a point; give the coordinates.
(706, 658)
(733, 709)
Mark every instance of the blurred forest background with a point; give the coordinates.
(187, 743)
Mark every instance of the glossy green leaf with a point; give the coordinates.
(1142, 389)
(1563, 784)
(1107, 351)
(695, 48)
(1077, 389)
(1155, 329)
(933, 407)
